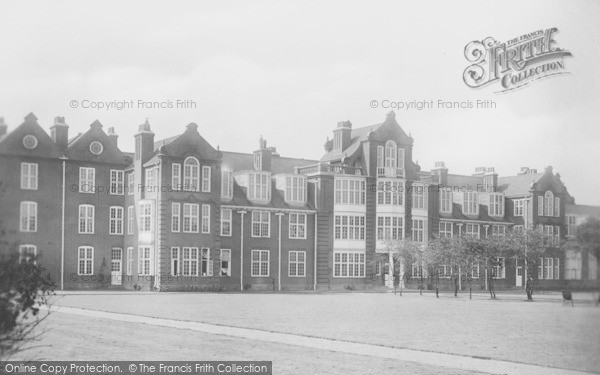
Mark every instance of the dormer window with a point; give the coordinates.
(191, 168)
(488, 183)
(295, 189)
(470, 203)
(258, 161)
(446, 200)
(391, 154)
(496, 206)
(226, 184)
(259, 186)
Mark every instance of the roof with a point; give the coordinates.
(238, 161)
(165, 141)
(582, 210)
(519, 185)
(277, 199)
(357, 136)
(457, 180)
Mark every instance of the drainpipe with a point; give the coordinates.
(242, 213)
(62, 234)
(279, 214)
(315, 260)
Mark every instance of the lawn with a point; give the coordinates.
(543, 332)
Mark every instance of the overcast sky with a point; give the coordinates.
(291, 71)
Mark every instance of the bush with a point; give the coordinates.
(23, 290)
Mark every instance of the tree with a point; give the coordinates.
(472, 251)
(23, 290)
(588, 236)
(527, 246)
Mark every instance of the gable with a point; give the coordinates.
(550, 181)
(79, 148)
(190, 144)
(12, 143)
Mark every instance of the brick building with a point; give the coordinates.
(178, 214)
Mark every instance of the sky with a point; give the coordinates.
(289, 71)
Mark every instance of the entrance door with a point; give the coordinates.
(519, 276)
(116, 267)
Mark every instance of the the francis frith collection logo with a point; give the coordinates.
(515, 63)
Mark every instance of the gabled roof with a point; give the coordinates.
(238, 161)
(582, 210)
(12, 143)
(78, 147)
(385, 130)
(519, 185)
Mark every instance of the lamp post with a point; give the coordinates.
(242, 213)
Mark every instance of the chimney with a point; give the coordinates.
(342, 136)
(3, 127)
(490, 179)
(113, 137)
(263, 156)
(441, 172)
(59, 132)
(479, 171)
(192, 127)
(144, 142)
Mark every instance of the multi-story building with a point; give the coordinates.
(178, 214)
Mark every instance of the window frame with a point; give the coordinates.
(28, 216)
(294, 263)
(87, 180)
(88, 220)
(117, 182)
(260, 263)
(29, 179)
(87, 259)
(118, 221)
(297, 228)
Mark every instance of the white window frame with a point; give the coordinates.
(297, 263)
(205, 218)
(206, 180)
(226, 222)
(573, 265)
(87, 180)
(548, 204)
(85, 260)
(571, 225)
(129, 269)
(145, 215)
(470, 203)
(499, 271)
(297, 226)
(191, 174)
(391, 155)
(295, 189)
(117, 182)
(176, 176)
(350, 191)
(348, 264)
(556, 207)
(191, 218)
(470, 232)
(496, 205)
(206, 264)
(87, 214)
(28, 216)
(445, 229)
(380, 162)
(518, 207)
(29, 176)
(260, 263)
(175, 261)
(150, 180)
(225, 263)
(261, 224)
(189, 261)
(130, 183)
(116, 220)
(349, 227)
(390, 193)
(446, 200)
(175, 217)
(498, 230)
(259, 185)
(226, 184)
(419, 197)
(390, 227)
(144, 260)
(418, 230)
(130, 220)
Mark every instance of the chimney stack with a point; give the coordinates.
(3, 127)
(59, 132)
(263, 156)
(144, 142)
(479, 171)
(441, 172)
(113, 137)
